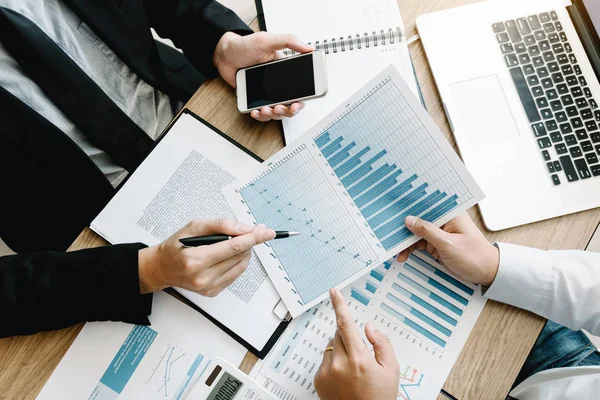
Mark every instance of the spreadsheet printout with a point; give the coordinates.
(347, 185)
(427, 313)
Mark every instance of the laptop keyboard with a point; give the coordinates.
(563, 114)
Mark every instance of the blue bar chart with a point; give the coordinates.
(426, 299)
(397, 179)
(363, 289)
(426, 337)
(357, 295)
(377, 275)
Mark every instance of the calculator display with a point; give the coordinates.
(226, 388)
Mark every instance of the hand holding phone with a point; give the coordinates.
(234, 52)
(285, 81)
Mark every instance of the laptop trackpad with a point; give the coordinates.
(484, 110)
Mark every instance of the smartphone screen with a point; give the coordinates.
(280, 82)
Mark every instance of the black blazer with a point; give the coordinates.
(50, 189)
(49, 186)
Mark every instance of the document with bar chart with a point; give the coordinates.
(347, 185)
(427, 313)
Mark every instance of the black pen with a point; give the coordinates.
(212, 239)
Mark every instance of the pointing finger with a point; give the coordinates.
(346, 326)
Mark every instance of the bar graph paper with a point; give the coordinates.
(426, 335)
(347, 186)
(426, 300)
(390, 165)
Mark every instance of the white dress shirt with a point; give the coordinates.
(563, 286)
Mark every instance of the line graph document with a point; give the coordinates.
(347, 184)
(115, 360)
(427, 313)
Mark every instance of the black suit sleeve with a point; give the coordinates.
(195, 26)
(52, 290)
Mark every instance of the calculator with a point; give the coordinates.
(223, 381)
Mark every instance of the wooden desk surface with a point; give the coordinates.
(497, 346)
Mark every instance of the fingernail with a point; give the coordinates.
(410, 221)
(369, 326)
(332, 293)
(243, 228)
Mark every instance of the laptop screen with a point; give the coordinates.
(593, 10)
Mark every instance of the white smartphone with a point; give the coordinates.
(283, 81)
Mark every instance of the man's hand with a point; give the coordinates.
(234, 52)
(350, 372)
(459, 246)
(207, 269)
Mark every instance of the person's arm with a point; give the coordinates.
(563, 286)
(52, 290)
(217, 42)
(195, 26)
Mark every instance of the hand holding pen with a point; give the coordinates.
(207, 269)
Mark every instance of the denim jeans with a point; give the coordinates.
(558, 347)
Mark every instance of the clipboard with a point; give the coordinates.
(112, 233)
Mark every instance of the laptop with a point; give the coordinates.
(519, 81)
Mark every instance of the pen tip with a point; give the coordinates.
(294, 233)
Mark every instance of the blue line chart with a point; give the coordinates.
(168, 367)
(403, 387)
(331, 247)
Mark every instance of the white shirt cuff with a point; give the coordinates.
(524, 276)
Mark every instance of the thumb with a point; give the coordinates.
(427, 231)
(285, 41)
(384, 351)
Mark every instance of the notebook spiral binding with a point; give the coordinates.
(357, 42)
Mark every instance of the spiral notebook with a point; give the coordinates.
(359, 37)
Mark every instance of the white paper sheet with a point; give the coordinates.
(180, 181)
(114, 360)
(347, 184)
(428, 328)
(312, 20)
